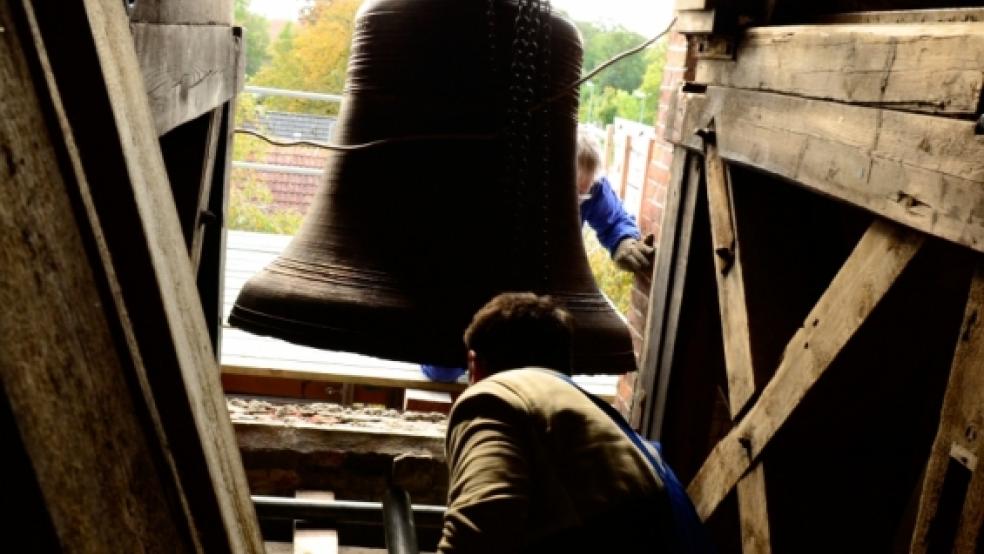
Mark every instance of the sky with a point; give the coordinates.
(646, 17)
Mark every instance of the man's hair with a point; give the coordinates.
(521, 329)
(588, 154)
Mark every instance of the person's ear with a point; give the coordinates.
(475, 373)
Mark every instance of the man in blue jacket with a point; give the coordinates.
(602, 210)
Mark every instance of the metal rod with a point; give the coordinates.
(268, 91)
(401, 536)
(275, 168)
(277, 507)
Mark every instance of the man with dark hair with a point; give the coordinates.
(536, 464)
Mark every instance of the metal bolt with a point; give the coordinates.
(979, 128)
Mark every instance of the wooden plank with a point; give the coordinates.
(132, 210)
(730, 284)
(879, 258)
(624, 166)
(183, 12)
(923, 171)
(212, 260)
(188, 70)
(958, 438)
(693, 5)
(753, 513)
(314, 540)
(215, 130)
(735, 331)
(695, 21)
(189, 151)
(666, 295)
(948, 15)
(74, 408)
(913, 67)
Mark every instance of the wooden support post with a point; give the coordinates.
(91, 73)
(85, 454)
(666, 295)
(210, 233)
(623, 181)
(951, 507)
(609, 146)
(730, 284)
(873, 267)
(752, 502)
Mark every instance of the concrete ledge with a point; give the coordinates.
(353, 457)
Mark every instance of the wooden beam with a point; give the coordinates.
(959, 445)
(212, 231)
(94, 79)
(188, 70)
(921, 68)
(923, 171)
(183, 12)
(666, 295)
(735, 331)
(879, 258)
(72, 400)
(693, 5)
(948, 15)
(695, 21)
(730, 283)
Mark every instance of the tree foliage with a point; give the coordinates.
(601, 43)
(602, 104)
(251, 209)
(613, 282)
(257, 36)
(313, 56)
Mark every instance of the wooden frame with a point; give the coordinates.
(149, 456)
(881, 117)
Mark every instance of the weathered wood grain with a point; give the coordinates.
(879, 258)
(946, 15)
(107, 482)
(730, 284)
(666, 295)
(183, 12)
(922, 68)
(960, 430)
(735, 331)
(188, 70)
(923, 171)
(753, 512)
(95, 80)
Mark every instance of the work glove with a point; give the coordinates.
(633, 255)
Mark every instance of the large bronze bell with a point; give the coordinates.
(470, 193)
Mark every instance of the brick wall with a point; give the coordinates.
(653, 201)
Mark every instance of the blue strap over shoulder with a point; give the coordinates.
(691, 537)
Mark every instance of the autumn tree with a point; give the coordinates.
(313, 56)
(257, 36)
